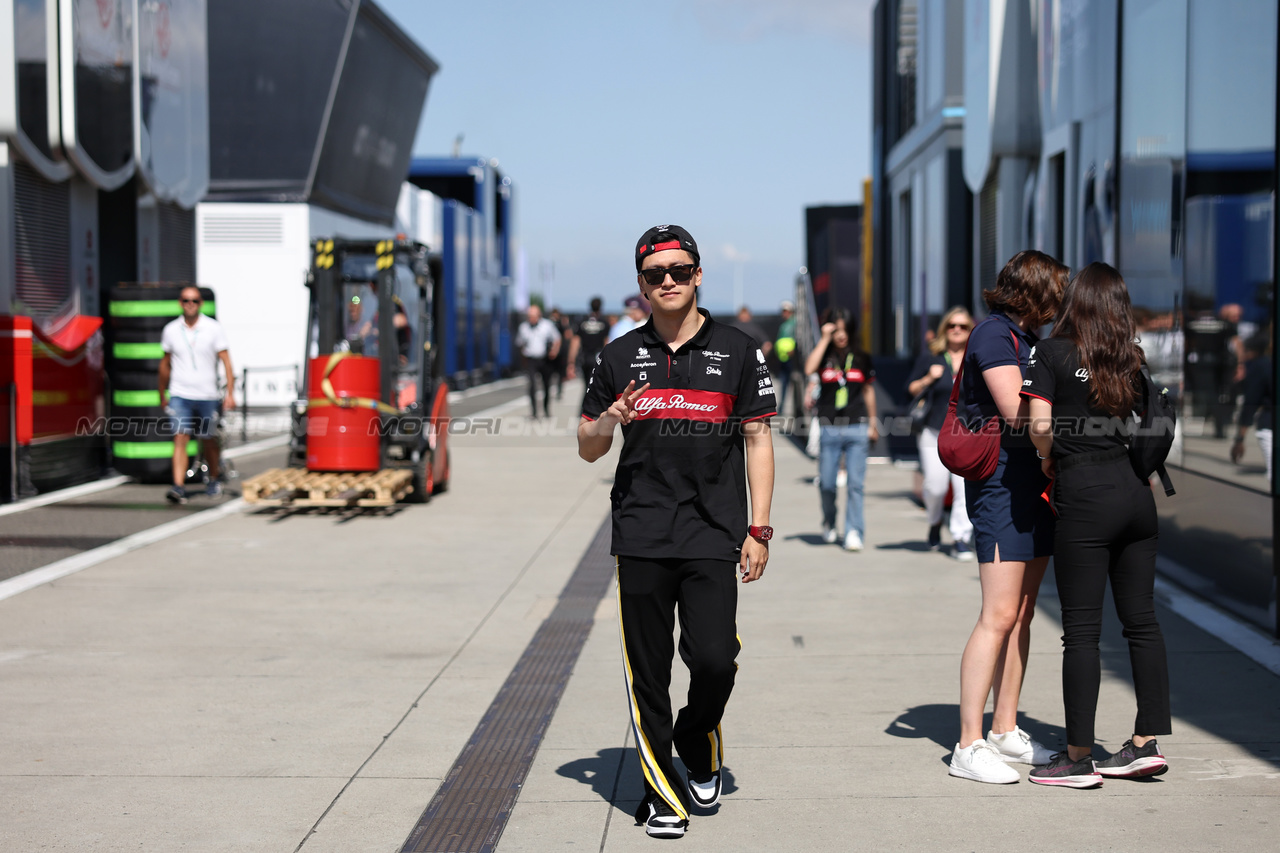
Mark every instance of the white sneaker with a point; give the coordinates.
(852, 541)
(842, 478)
(979, 762)
(1018, 747)
(828, 534)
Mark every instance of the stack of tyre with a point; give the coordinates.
(141, 444)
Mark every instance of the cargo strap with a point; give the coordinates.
(331, 398)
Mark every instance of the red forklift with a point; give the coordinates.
(373, 427)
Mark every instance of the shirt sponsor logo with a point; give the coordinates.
(714, 370)
(644, 364)
(832, 374)
(695, 405)
(710, 353)
(1083, 374)
(760, 356)
(1026, 382)
(765, 392)
(642, 353)
(766, 382)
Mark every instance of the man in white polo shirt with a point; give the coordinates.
(538, 340)
(193, 344)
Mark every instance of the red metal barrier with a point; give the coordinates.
(15, 375)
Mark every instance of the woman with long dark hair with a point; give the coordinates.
(1083, 383)
(1012, 527)
(847, 416)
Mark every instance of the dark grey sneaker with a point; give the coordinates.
(214, 489)
(659, 819)
(176, 495)
(1065, 773)
(1132, 762)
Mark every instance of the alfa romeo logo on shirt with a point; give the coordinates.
(645, 405)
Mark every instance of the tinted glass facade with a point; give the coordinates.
(1155, 151)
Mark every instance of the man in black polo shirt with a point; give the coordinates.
(693, 397)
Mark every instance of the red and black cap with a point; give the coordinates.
(659, 238)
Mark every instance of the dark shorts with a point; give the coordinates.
(195, 418)
(1007, 509)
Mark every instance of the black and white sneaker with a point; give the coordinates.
(1132, 762)
(176, 495)
(705, 793)
(660, 820)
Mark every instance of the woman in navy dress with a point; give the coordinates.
(1012, 525)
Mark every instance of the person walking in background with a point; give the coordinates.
(745, 323)
(1012, 525)
(634, 316)
(1259, 401)
(680, 525)
(1081, 384)
(561, 364)
(588, 341)
(785, 361)
(193, 345)
(846, 409)
(538, 342)
(932, 376)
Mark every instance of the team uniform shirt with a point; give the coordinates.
(193, 357)
(841, 380)
(995, 342)
(680, 489)
(592, 331)
(536, 341)
(1054, 375)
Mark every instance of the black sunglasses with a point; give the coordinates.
(193, 301)
(678, 273)
(959, 326)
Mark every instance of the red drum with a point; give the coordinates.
(344, 438)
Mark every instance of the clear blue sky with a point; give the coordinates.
(728, 117)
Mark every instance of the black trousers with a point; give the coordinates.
(705, 593)
(1107, 529)
(536, 368)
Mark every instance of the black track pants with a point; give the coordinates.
(1107, 529)
(705, 593)
(539, 369)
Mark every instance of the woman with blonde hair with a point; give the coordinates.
(1012, 525)
(932, 377)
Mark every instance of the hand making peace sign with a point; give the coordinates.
(623, 410)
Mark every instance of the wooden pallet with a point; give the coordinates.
(298, 487)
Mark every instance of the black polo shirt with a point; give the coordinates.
(680, 489)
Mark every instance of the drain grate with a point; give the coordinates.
(473, 804)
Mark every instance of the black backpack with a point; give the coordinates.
(1153, 438)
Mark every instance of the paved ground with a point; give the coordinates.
(306, 683)
(38, 536)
